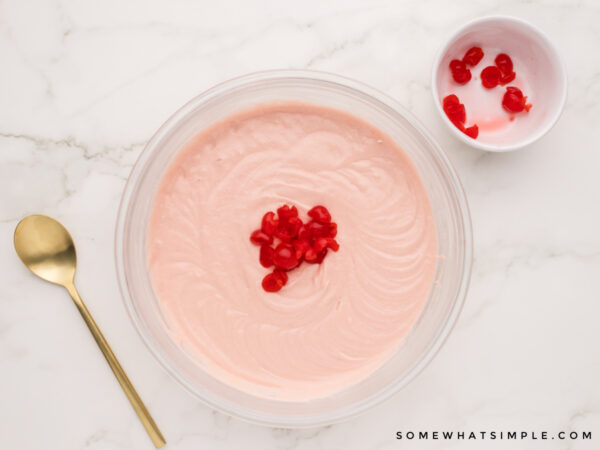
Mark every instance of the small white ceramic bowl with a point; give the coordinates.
(541, 76)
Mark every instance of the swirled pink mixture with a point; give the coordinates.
(334, 323)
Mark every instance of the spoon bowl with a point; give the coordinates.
(46, 248)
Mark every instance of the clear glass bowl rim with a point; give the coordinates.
(311, 75)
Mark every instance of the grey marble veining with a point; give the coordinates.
(85, 84)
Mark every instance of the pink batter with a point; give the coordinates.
(333, 324)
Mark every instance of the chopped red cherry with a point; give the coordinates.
(504, 63)
(316, 229)
(304, 233)
(285, 212)
(490, 77)
(505, 79)
(325, 242)
(320, 244)
(287, 230)
(269, 223)
(274, 281)
(514, 101)
(456, 65)
(473, 56)
(320, 214)
(333, 244)
(282, 274)
(259, 237)
(313, 257)
(472, 131)
(332, 232)
(454, 109)
(459, 71)
(294, 224)
(266, 256)
(457, 115)
(284, 256)
(301, 246)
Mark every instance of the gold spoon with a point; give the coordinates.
(47, 249)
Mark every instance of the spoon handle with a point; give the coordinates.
(134, 398)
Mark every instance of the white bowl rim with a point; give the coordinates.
(474, 142)
(438, 341)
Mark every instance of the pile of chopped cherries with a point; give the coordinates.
(501, 73)
(285, 242)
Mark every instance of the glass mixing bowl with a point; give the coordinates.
(450, 212)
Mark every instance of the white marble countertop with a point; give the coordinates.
(83, 86)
